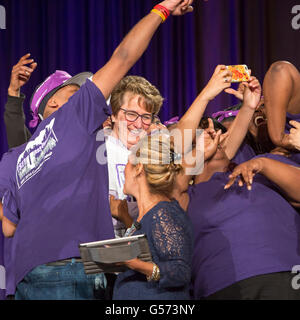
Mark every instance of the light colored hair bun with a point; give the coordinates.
(156, 153)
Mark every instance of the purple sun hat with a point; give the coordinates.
(48, 88)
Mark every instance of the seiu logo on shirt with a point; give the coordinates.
(36, 153)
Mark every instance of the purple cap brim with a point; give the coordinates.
(53, 83)
(221, 115)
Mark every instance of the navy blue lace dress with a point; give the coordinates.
(170, 239)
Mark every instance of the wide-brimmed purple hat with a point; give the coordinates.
(47, 89)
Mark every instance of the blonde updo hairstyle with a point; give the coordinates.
(156, 154)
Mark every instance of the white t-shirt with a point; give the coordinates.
(117, 158)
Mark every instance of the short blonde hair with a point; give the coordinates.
(156, 154)
(140, 86)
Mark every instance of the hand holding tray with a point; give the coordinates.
(105, 256)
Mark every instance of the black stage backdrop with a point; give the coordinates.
(80, 35)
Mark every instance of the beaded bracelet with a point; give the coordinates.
(161, 11)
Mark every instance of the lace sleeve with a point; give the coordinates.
(172, 239)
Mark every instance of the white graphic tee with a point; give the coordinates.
(117, 158)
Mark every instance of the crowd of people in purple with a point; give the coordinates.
(230, 230)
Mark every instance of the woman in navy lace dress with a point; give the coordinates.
(165, 224)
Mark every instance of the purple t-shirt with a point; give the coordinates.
(6, 184)
(239, 233)
(8, 248)
(289, 117)
(54, 189)
(2, 270)
(244, 153)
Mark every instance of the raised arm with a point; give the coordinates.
(14, 118)
(193, 162)
(16, 131)
(285, 176)
(134, 45)
(281, 94)
(193, 115)
(240, 125)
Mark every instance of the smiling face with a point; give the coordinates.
(130, 132)
(210, 130)
(259, 138)
(259, 120)
(258, 129)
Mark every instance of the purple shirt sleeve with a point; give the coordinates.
(279, 158)
(7, 187)
(90, 106)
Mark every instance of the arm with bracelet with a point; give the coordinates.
(171, 239)
(151, 269)
(135, 43)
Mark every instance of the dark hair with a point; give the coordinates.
(235, 107)
(262, 144)
(217, 125)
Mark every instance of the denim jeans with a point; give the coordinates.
(67, 282)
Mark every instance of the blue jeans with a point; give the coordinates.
(67, 282)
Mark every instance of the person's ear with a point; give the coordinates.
(113, 118)
(139, 169)
(52, 103)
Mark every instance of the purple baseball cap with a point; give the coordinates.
(48, 88)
